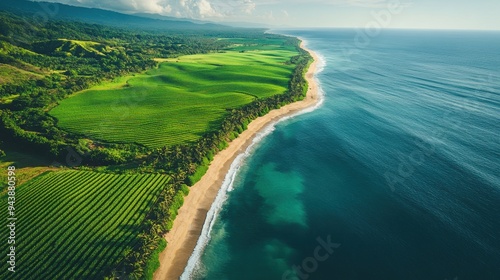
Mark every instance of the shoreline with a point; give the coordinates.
(189, 222)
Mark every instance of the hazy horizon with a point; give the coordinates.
(369, 14)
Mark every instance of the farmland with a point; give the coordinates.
(103, 101)
(180, 100)
(77, 224)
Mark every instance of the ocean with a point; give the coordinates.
(396, 175)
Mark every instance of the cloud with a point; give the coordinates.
(356, 3)
(248, 6)
(180, 8)
(368, 3)
(270, 11)
(205, 9)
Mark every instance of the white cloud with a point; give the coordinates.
(168, 9)
(262, 11)
(368, 3)
(358, 3)
(205, 9)
(248, 6)
(179, 8)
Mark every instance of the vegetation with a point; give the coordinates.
(141, 262)
(27, 166)
(154, 261)
(54, 68)
(195, 90)
(108, 218)
(104, 17)
(79, 222)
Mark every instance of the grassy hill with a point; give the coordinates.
(65, 47)
(14, 71)
(69, 88)
(182, 99)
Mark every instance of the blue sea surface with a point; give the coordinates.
(395, 176)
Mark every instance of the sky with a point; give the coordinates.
(421, 14)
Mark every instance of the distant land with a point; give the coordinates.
(105, 17)
(108, 121)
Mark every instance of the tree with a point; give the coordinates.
(71, 73)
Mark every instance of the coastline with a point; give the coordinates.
(188, 225)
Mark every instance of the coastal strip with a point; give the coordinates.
(188, 225)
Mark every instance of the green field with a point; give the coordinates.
(181, 99)
(76, 224)
(72, 90)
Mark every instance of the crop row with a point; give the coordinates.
(76, 224)
(178, 102)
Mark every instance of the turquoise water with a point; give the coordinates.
(395, 176)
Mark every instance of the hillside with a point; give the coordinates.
(65, 47)
(211, 83)
(104, 17)
(123, 119)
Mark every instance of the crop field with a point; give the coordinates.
(181, 99)
(75, 224)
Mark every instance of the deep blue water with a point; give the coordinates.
(399, 169)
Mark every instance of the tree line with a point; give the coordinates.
(59, 70)
(186, 164)
(25, 122)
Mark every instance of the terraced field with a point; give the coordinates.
(75, 224)
(182, 99)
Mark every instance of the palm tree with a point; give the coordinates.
(192, 168)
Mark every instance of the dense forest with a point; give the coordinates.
(42, 63)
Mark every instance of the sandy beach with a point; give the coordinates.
(188, 225)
